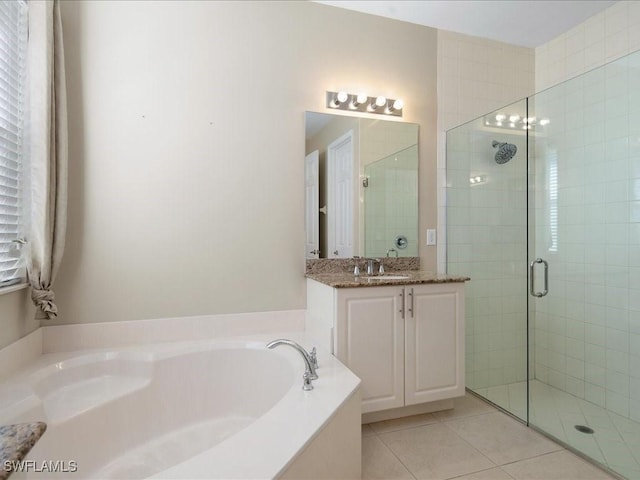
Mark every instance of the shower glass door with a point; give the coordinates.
(487, 240)
(585, 209)
(543, 213)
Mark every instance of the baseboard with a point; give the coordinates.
(407, 411)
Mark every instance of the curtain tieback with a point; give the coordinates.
(43, 298)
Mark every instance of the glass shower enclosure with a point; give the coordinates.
(543, 213)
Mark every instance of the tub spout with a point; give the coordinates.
(309, 363)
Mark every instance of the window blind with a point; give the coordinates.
(13, 50)
(552, 166)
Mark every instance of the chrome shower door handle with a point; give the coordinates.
(532, 278)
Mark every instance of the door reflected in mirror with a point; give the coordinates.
(361, 184)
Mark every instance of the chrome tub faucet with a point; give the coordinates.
(310, 361)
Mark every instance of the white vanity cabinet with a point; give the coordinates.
(405, 342)
(369, 338)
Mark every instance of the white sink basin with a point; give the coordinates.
(389, 277)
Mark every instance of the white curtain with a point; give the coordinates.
(47, 144)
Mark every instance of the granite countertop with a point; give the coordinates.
(16, 441)
(348, 280)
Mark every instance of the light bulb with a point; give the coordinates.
(545, 121)
(500, 117)
(378, 102)
(359, 100)
(514, 118)
(398, 104)
(338, 99)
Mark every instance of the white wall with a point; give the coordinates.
(16, 316)
(186, 186)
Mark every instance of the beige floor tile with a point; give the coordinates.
(501, 438)
(379, 463)
(491, 474)
(404, 422)
(435, 452)
(465, 407)
(562, 465)
(367, 431)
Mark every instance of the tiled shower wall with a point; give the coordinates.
(476, 76)
(391, 204)
(394, 190)
(588, 350)
(587, 330)
(609, 35)
(487, 240)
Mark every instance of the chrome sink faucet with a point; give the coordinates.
(370, 264)
(356, 268)
(310, 361)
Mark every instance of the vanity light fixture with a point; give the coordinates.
(363, 103)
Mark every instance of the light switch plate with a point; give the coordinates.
(431, 236)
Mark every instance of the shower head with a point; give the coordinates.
(506, 151)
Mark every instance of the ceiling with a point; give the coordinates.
(528, 23)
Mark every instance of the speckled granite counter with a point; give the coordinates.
(348, 280)
(16, 441)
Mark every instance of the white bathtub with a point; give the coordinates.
(224, 409)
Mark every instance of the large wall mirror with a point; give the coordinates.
(361, 183)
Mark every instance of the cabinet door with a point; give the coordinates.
(369, 339)
(434, 342)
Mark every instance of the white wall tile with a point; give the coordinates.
(583, 327)
(595, 394)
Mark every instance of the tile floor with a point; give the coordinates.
(616, 439)
(472, 441)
